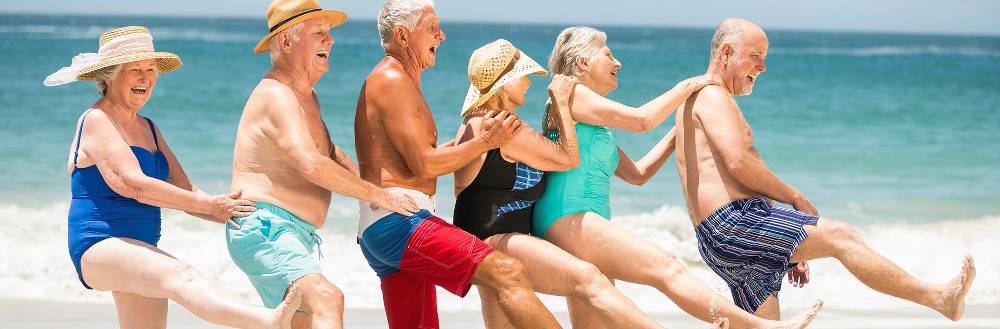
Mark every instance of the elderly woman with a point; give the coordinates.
(122, 172)
(495, 194)
(574, 212)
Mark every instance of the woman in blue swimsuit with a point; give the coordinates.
(574, 212)
(122, 172)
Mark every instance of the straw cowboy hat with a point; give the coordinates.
(122, 45)
(492, 66)
(282, 14)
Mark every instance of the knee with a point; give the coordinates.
(328, 294)
(589, 281)
(840, 231)
(670, 266)
(180, 276)
(506, 272)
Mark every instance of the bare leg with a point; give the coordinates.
(622, 255)
(140, 312)
(553, 271)
(322, 303)
(135, 267)
(582, 315)
(769, 309)
(505, 275)
(493, 315)
(831, 238)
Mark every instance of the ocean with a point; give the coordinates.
(895, 134)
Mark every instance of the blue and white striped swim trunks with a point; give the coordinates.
(749, 244)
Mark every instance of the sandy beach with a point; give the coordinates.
(31, 314)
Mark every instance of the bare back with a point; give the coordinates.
(265, 170)
(705, 176)
(392, 125)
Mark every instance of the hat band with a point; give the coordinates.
(276, 26)
(126, 44)
(510, 66)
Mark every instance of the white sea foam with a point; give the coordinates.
(36, 264)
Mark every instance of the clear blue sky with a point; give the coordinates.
(980, 17)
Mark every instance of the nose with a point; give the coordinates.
(617, 63)
(761, 66)
(441, 35)
(328, 38)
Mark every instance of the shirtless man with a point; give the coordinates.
(285, 161)
(396, 142)
(729, 194)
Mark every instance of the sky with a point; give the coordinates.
(964, 17)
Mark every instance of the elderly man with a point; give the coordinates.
(396, 141)
(729, 193)
(285, 161)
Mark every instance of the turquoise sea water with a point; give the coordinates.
(875, 129)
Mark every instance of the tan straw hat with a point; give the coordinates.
(282, 14)
(122, 45)
(493, 66)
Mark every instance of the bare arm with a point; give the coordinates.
(288, 129)
(121, 171)
(345, 161)
(410, 130)
(730, 135)
(536, 150)
(594, 109)
(638, 173)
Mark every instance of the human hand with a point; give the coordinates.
(700, 81)
(798, 275)
(396, 203)
(720, 323)
(499, 126)
(227, 206)
(802, 204)
(561, 93)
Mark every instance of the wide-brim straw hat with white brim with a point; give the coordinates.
(282, 14)
(119, 46)
(491, 67)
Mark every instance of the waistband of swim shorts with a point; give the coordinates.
(281, 212)
(369, 216)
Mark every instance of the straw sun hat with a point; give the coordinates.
(122, 45)
(282, 14)
(492, 66)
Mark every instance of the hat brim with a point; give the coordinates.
(165, 62)
(524, 66)
(335, 17)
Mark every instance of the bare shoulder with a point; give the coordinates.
(713, 100)
(271, 95)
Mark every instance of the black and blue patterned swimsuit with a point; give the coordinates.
(500, 199)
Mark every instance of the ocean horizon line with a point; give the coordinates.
(771, 29)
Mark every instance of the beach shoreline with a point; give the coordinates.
(37, 314)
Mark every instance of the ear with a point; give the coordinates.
(284, 42)
(400, 35)
(725, 52)
(581, 64)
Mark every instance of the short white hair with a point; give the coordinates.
(292, 32)
(729, 31)
(572, 43)
(102, 75)
(404, 13)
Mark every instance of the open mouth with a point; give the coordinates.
(751, 78)
(434, 51)
(323, 54)
(614, 73)
(139, 90)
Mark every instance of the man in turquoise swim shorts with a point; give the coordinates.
(285, 161)
(729, 193)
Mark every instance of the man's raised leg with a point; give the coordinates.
(505, 275)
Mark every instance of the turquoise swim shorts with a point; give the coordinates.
(274, 248)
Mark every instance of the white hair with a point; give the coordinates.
(572, 43)
(403, 13)
(102, 75)
(729, 31)
(292, 32)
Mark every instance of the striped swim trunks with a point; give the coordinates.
(749, 244)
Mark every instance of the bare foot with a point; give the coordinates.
(802, 320)
(952, 300)
(720, 323)
(285, 311)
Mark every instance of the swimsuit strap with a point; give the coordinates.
(153, 130)
(79, 134)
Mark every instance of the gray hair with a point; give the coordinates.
(404, 13)
(292, 32)
(729, 31)
(103, 74)
(572, 43)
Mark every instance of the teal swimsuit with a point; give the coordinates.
(582, 189)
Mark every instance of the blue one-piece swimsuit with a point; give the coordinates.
(97, 212)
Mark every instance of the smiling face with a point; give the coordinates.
(746, 63)
(313, 47)
(134, 84)
(600, 74)
(425, 38)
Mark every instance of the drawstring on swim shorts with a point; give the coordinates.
(319, 242)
